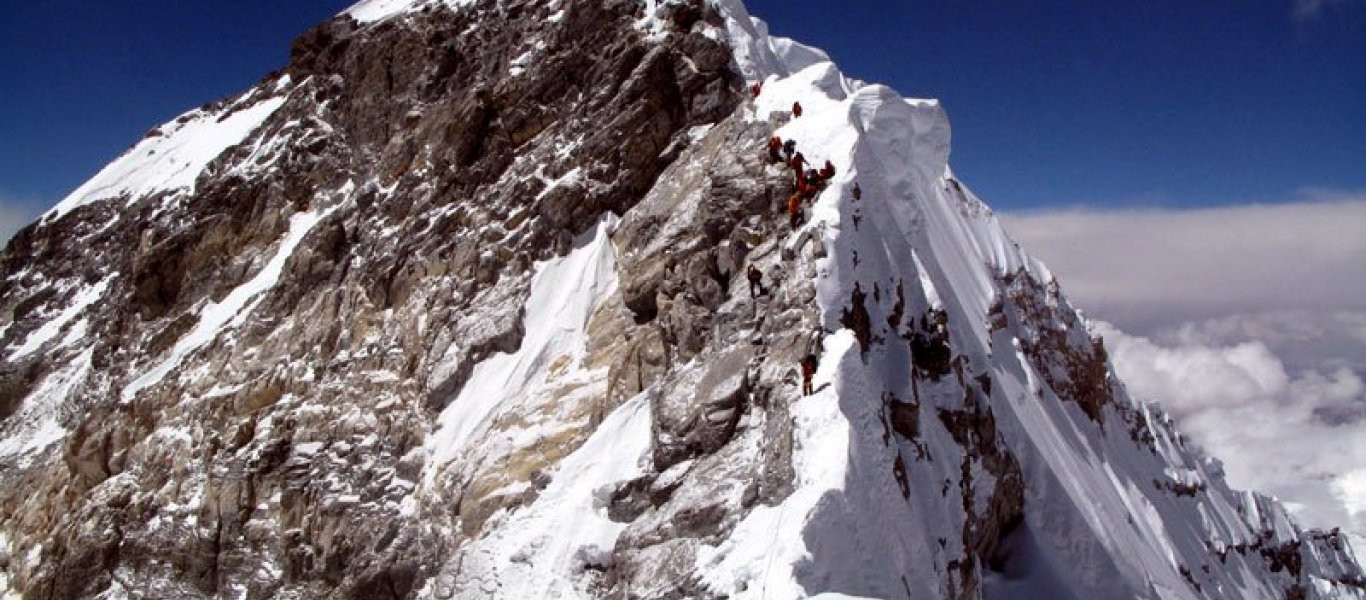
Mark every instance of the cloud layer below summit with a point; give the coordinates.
(1248, 323)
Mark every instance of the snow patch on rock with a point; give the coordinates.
(564, 292)
(543, 550)
(82, 300)
(761, 557)
(233, 309)
(370, 11)
(37, 426)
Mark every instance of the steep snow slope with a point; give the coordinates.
(550, 360)
(172, 156)
(1142, 539)
(453, 308)
(1105, 513)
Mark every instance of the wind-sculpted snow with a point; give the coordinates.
(459, 305)
(916, 223)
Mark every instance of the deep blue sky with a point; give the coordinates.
(81, 80)
(1054, 102)
(1060, 102)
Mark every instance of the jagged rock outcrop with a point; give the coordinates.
(455, 305)
(438, 177)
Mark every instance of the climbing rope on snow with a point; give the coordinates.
(768, 566)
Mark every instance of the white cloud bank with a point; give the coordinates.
(1147, 268)
(1300, 436)
(1251, 331)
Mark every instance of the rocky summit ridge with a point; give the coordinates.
(457, 305)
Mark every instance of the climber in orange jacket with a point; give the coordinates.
(811, 190)
(794, 210)
(775, 149)
(809, 364)
(828, 170)
(796, 109)
(798, 161)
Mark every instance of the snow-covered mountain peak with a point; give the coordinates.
(370, 11)
(172, 156)
(452, 307)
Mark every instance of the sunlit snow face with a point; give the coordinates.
(1254, 334)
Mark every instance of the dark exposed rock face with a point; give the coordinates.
(734, 356)
(1073, 363)
(974, 428)
(256, 392)
(466, 165)
(856, 319)
(930, 352)
(15, 384)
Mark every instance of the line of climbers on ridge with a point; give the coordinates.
(808, 182)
